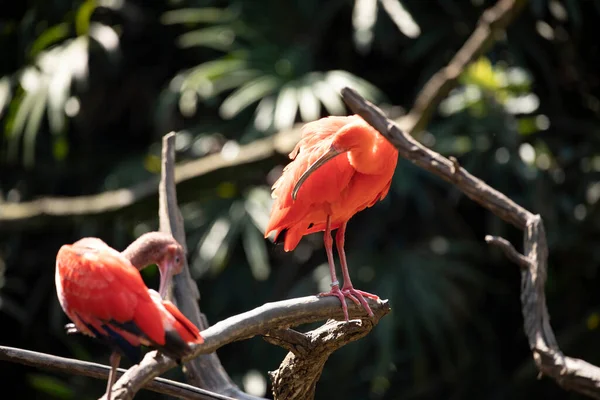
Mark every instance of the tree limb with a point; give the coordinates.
(570, 373)
(196, 175)
(99, 371)
(490, 27)
(260, 321)
(206, 370)
(308, 354)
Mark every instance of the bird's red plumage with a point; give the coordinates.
(99, 287)
(336, 188)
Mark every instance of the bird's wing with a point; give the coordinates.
(103, 290)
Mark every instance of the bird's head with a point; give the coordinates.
(157, 248)
(354, 136)
(170, 263)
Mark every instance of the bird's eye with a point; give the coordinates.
(177, 259)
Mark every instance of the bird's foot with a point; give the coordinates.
(360, 295)
(340, 294)
(71, 329)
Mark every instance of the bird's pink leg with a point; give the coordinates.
(348, 290)
(335, 284)
(115, 359)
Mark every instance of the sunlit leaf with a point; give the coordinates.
(256, 252)
(212, 70)
(82, 18)
(286, 107)
(339, 79)
(49, 37)
(250, 93)
(5, 93)
(33, 125)
(264, 113)
(217, 37)
(310, 108)
(364, 16)
(328, 96)
(232, 80)
(198, 15)
(258, 206)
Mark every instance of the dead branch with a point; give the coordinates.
(99, 371)
(260, 321)
(308, 353)
(490, 28)
(570, 373)
(206, 370)
(196, 175)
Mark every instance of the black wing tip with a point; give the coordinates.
(174, 346)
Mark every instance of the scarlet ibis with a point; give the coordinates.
(102, 292)
(340, 166)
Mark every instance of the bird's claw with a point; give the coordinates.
(350, 291)
(355, 295)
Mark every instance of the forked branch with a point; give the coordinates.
(203, 368)
(260, 321)
(571, 373)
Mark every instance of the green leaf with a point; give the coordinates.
(338, 79)
(256, 252)
(60, 148)
(250, 93)
(233, 79)
(82, 18)
(217, 37)
(51, 385)
(212, 70)
(33, 125)
(48, 37)
(310, 108)
(328, 95)
(198, 15)
(286, 107)
(264, 113)
(5, 93)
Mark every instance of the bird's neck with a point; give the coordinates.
(145, 250)
(374, 159)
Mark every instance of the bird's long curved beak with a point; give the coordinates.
(333, 152)
(166, 275)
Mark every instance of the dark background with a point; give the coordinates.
(88, 89)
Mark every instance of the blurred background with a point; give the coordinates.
(87, 89)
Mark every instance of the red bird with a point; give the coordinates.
(341, 165)
(102, 292)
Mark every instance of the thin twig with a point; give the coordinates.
(278, 315)
(206, 370)
(570, 373)
(509, 250)
(99, 371)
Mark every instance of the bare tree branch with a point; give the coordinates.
(260, 321)
(195, 175)
(570, 373)
(509, 250)
(99, 371)
(206, 370)
(490, 28)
